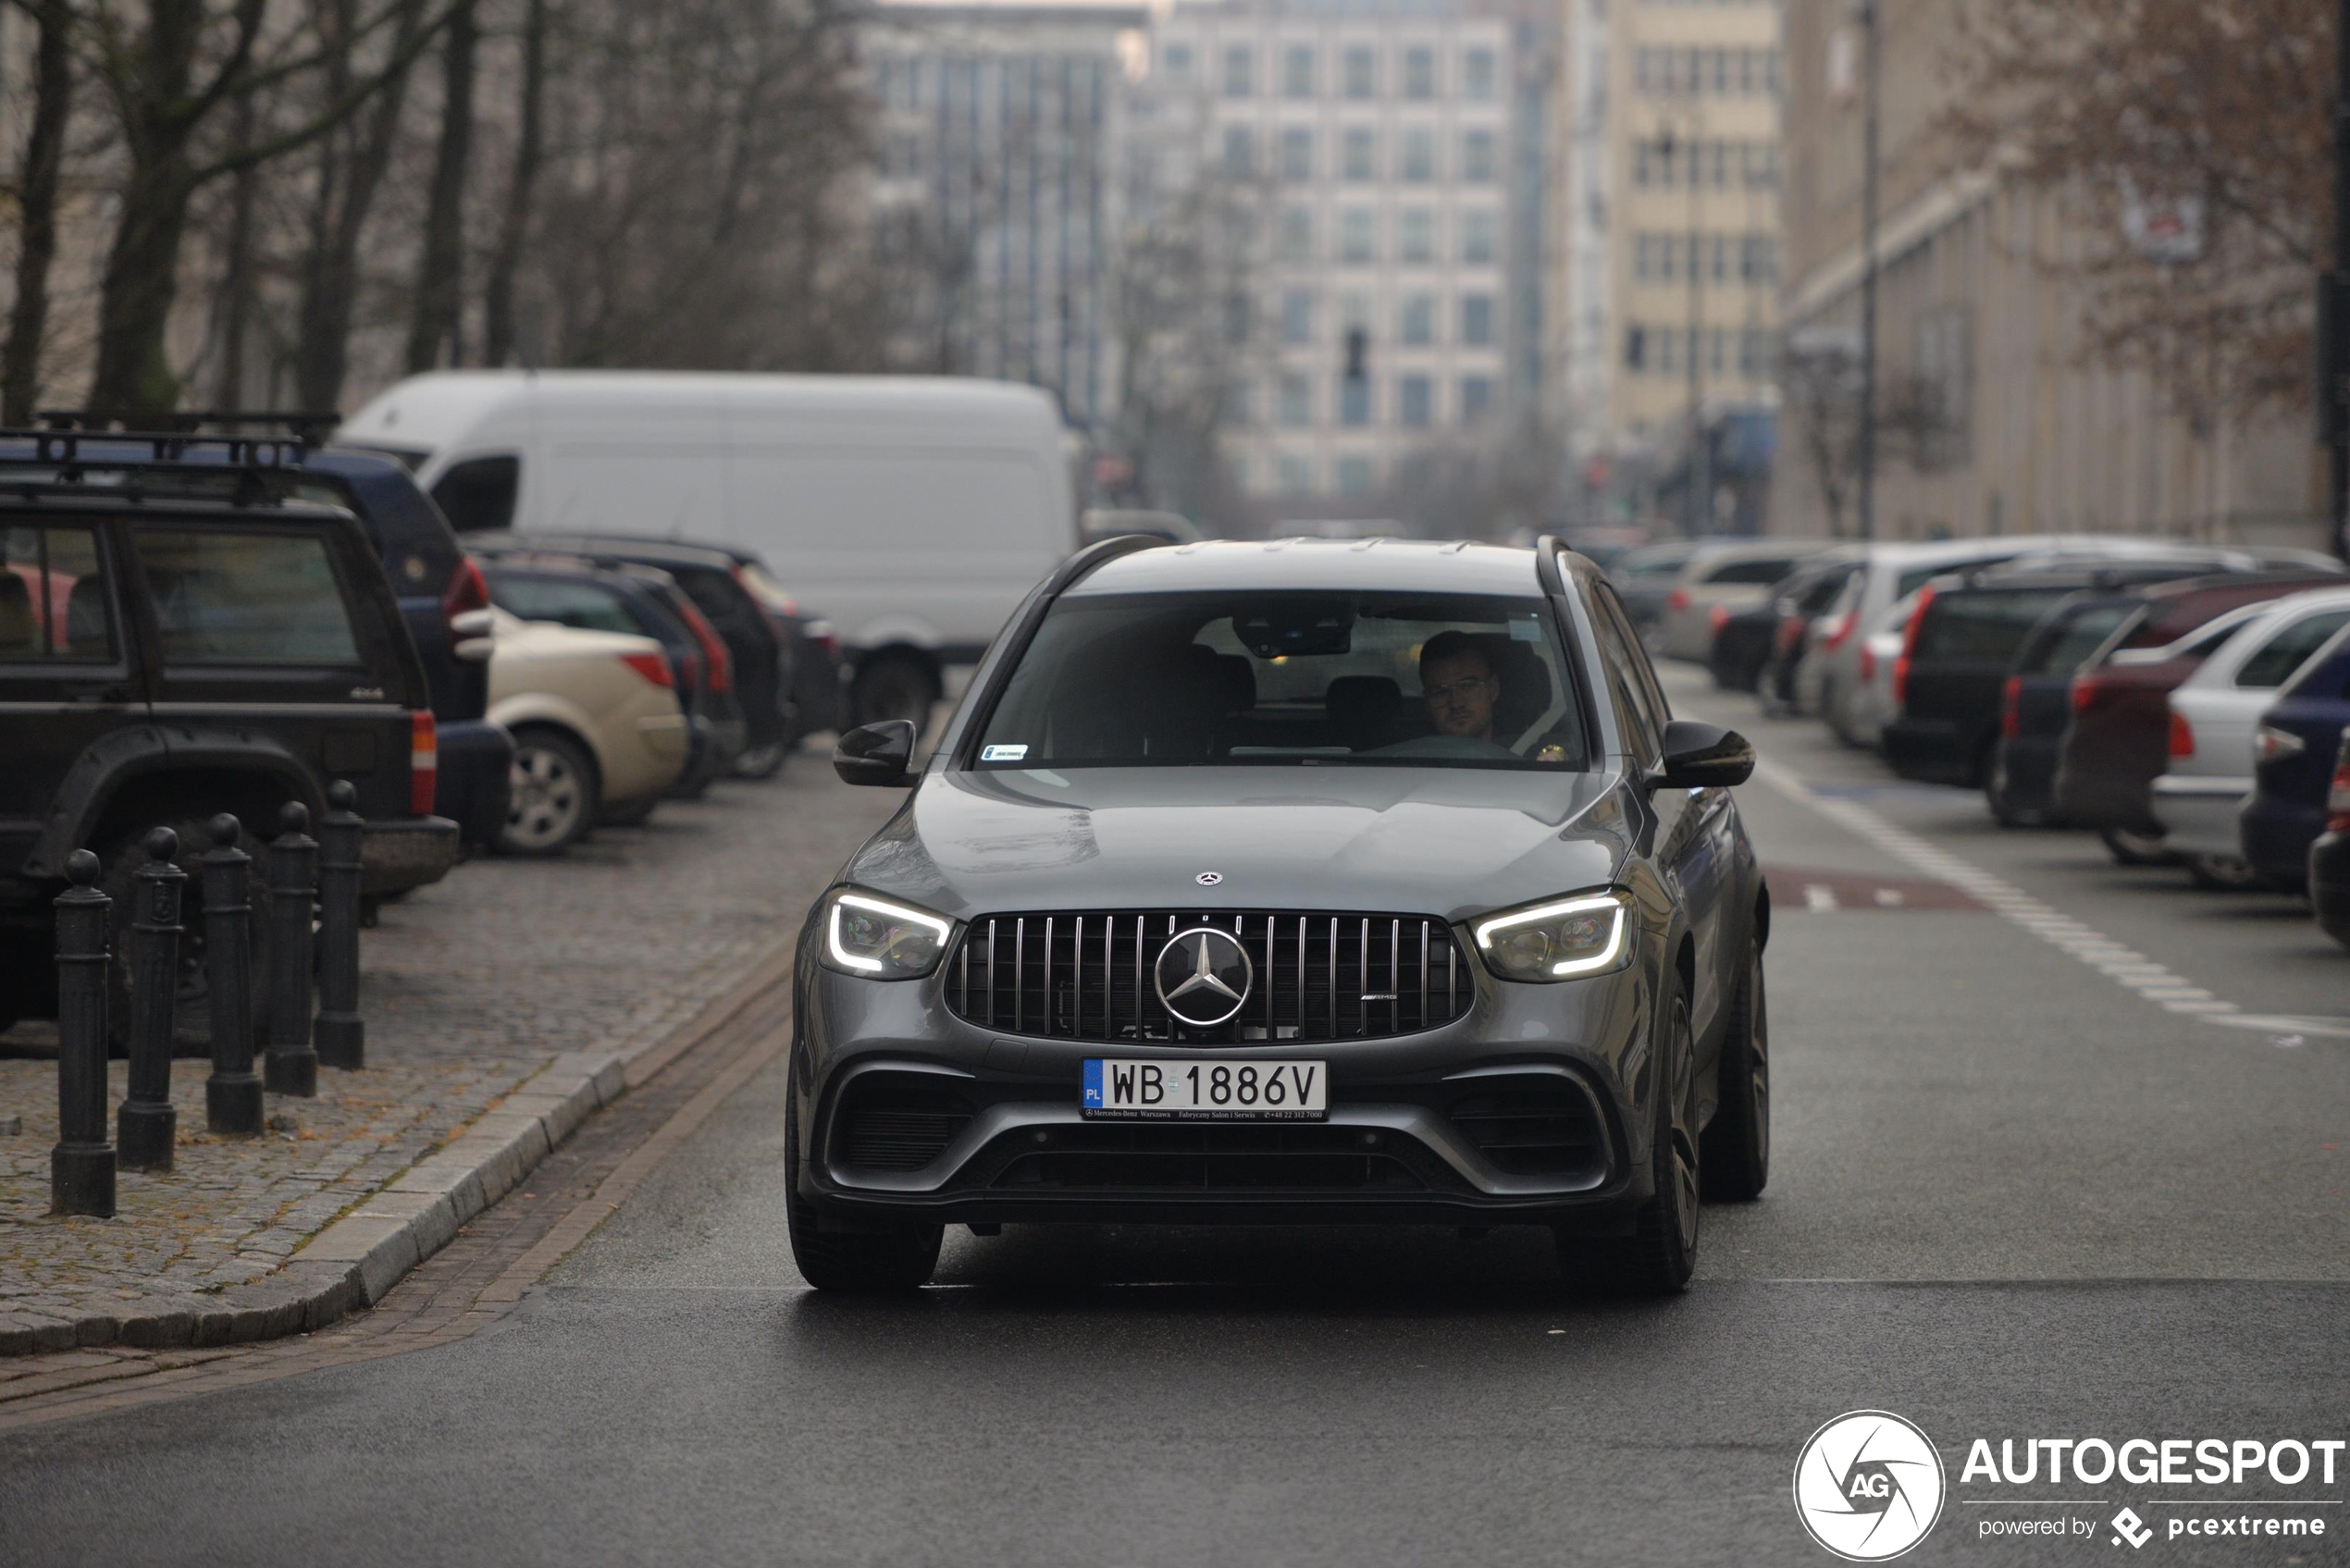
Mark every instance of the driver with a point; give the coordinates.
(1459, 686)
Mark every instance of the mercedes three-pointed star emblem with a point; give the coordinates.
(1203, 976)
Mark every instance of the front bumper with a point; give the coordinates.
(2200, 816)
(1528, 1109)
(2277, 834)
(400, 853)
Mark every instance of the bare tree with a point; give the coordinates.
(522, 187)
(45, 156)
(439, 321)
(2212, 114)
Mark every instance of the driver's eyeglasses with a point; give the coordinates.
(1452, 689)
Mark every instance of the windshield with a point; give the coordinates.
(1311, 679)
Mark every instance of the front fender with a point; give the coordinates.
(109, 763)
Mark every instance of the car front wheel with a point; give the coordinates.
(1736, 1145)
(1659, 1256)
(855, 1263)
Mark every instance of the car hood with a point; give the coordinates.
(1454, 842)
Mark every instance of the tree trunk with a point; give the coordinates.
(43, 163)
(140, 285)
(439, 273)
(499, 301)
(346, 196)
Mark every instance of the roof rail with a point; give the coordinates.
(1546, 563)
(310, 426)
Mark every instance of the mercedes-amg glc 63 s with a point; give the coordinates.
(1288, 884)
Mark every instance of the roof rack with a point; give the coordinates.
(68, 448)
(309, 427)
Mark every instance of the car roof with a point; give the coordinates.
(1363, 566)
(682, 552)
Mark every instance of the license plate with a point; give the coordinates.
(1204, 1089)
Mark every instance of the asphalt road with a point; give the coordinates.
(2025, 1186)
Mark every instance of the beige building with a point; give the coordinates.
(1997, 423)
(1666, 251)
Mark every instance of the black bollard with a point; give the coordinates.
(144, 1126)
(81, 1165)
(342, 1037)
(232, 1094)
(291, 1067)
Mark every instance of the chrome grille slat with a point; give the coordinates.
(1302, 963)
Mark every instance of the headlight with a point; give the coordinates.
(879, 939)
(1564, 939)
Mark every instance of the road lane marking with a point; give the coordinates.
(2127, 967)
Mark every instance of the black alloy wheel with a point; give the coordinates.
(2133, 847)
(855, 1263)
(1737, 1145)
(1659, 1256)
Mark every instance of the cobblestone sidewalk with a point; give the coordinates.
(471, 987)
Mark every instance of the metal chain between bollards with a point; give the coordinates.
(291, 1067)
(81, 1166)
(145, 1124)
(341, 1035)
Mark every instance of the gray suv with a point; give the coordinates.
(1289, 883)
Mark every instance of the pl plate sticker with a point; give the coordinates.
(1002, 753)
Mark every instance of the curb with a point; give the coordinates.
(356, 1261)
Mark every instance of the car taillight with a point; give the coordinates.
(2087, 691)
(1868, 664)
(713, 649)
(424, 762)
(2011, 706)
(1839, 629)
(1717, 618)
(821, 634)
(467, 591)
(654, 667)
(1790, 634)
(1910, 648)
(2272, 744)
(1677, 599)
(2181, 737)
(691, 664)
(2338, 797)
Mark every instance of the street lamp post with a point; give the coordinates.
(1865, 453)
(2333, 320)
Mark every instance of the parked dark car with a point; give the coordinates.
(1962, 646)
(2118, 742)
(2294, 763)
(2330, 857)
(441, 595)
(2035, 703)
(574, 591)
(1758, 649)
(1419, 907)
(204, 647)
(1644, 579)
(765, 673)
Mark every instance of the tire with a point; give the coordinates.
(853, 1262)
(762, 759)
(2223, 873)
(2004, 810)
(895, 687)
(2131, 848)
(1659, 1256)
(555, 795)
(1736, 1147)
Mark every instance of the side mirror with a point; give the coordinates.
(1703, 756)
(875, 754)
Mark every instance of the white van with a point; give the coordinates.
(913, 512)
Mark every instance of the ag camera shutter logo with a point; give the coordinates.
(1869, 1486)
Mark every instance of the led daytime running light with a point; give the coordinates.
(1485, 931)
(846, 959)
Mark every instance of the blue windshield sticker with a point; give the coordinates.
(1002, 753)
(1527, 630)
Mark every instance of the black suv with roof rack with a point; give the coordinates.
(179, 640)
